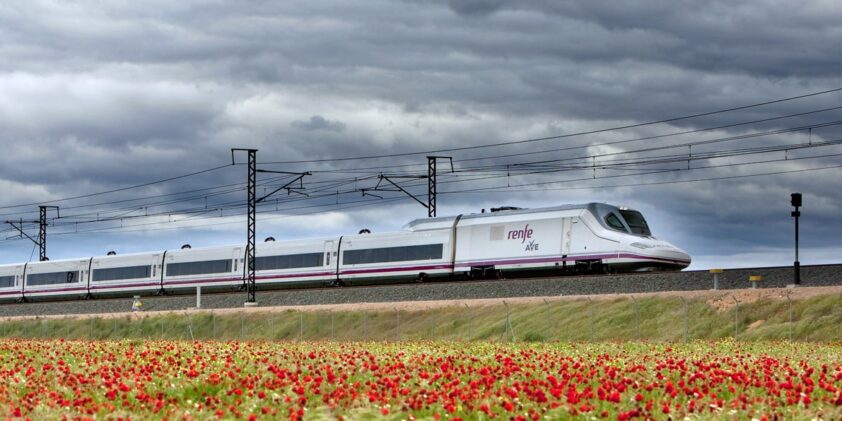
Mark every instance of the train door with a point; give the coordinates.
(566, 234)
(86, 268)
(329, 253)
(19, 276)
(239, 260)
(156, 266)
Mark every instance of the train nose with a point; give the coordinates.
(679, 258)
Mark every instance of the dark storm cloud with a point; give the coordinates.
(95, 96)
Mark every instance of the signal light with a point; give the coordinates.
(796, 199)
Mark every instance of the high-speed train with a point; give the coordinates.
(572, 238)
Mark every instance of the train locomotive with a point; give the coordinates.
(592, 237)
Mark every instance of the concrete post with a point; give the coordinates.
(716, 273)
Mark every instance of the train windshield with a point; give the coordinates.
(636, 222)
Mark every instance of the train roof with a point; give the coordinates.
(449, 219)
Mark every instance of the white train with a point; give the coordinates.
(573, 238)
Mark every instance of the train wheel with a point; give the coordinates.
(422, 277)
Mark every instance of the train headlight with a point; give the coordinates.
(641, 245)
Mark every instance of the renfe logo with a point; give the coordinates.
(521, 235)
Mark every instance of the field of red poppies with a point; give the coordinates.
(417, 380)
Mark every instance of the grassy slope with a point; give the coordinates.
(661, 318)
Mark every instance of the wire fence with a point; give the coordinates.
(671, 319)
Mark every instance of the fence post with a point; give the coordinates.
(686, 318)
(190, 326)
(549, 326)
(397, 325)
(114, 326)
(736, 317)
(213, 325)
(789, 299)
(590, 315)
(332, 326)
(300, 326)
(637, 315)
(365, 325)
(468, 313)
(507, 329)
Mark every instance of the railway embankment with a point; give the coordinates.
(800, 314)
(772, 277)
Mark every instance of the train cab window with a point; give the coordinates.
(393, 254)
(636, 222)
(614, 222)
(199, 268)
(52, 278)
(113, 274)
(289, 261)
(7, 281)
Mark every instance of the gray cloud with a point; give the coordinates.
(318, 122)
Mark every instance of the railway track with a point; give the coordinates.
(773, 277)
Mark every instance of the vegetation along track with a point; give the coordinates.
(773, 277)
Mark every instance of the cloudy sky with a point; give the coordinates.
(100, 96)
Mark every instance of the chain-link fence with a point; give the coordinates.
(587, 319)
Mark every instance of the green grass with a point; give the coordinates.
(660, 319)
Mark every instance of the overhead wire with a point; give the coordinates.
(320, 189)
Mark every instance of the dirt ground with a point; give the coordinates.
(722, 300)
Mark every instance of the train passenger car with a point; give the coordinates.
(398, 255)
(57, 279)
(11, 282)
(117, 275)
(296, 262)
(213, 267)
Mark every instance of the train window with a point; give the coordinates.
(52, 278)
(614, 222)
(636, 222)
(289, 261)
(393, 254)
(198, 268)
(113, 274)
(7, 281)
